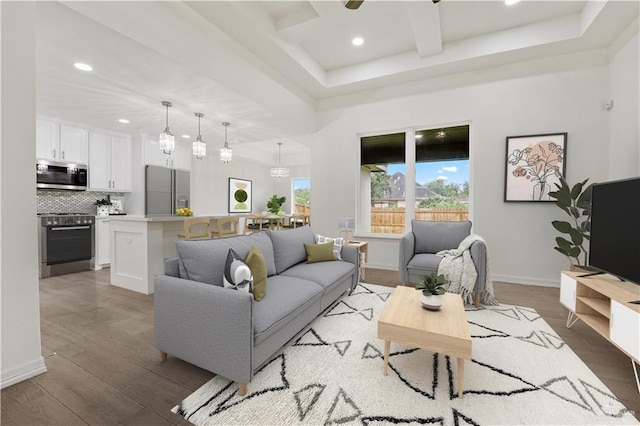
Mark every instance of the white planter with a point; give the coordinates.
(102, 210)
(433, 302)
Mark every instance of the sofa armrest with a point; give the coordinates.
(205, 325)
(406, 252)
(479, 256)
(350, 254)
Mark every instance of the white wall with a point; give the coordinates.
(210, 185)
(20, 351)
(519, 235)
(624, 90)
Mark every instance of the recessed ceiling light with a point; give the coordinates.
(418, 136)
(510, 2)
(83, 67)
(186, 136)
(123, 120)
(357, 41)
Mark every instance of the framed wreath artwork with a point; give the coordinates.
(239, 196)
(534, 164)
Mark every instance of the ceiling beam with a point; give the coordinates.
(425, 24)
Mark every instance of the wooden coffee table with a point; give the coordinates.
(405, 321)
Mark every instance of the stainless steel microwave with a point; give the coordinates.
(64, 176)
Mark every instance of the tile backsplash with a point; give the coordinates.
(72, 201)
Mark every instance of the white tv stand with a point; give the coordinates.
(603, 303)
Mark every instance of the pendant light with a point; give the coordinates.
(167, 141)
(225, 151)
(199, 147)
(279, 172)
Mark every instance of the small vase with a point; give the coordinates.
(432, 302)
(102, 210)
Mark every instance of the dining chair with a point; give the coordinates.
(255, 222)
(225, 227)
(196, 228)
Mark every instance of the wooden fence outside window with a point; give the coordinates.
(391, 220)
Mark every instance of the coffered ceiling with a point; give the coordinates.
(267, 67)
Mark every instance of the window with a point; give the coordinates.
(437, 160)
(301, 196)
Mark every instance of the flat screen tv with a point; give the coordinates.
(615, 229)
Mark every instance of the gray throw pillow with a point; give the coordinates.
(432, 237)
(288, 246)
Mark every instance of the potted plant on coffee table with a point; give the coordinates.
(433, 287)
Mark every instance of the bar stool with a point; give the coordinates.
(225, 227)
(200, 231)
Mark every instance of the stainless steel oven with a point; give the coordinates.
(65, 243)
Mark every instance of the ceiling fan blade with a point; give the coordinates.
(353, 4)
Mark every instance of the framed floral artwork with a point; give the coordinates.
(534, 164)
(239, 196)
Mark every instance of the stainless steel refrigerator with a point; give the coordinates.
(165, 190)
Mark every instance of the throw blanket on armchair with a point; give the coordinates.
(458, 266)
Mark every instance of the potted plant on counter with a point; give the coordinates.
(103, 207)
(433, 287)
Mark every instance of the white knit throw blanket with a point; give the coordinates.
(459, 268)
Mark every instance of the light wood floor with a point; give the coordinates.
(103, 368)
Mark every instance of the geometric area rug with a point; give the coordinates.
(521, 372)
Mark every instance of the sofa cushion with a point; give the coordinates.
(288, 246)
(237, 274)
(286, 299)
(324, 274)
(319, 252)
(257, 264)
(424, 264)
(432, 237)
(203, 260)
(337, 244)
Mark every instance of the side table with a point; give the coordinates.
(363, 255)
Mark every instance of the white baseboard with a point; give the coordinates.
(542, 282)
(23, 372)
(514, 279)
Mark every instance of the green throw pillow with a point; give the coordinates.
(319, 252)
(258, 265)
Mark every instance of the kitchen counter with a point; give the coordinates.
(156, 218)
(139, 245)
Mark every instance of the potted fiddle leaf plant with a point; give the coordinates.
(576, 202)
(274, 204)
(433, 287)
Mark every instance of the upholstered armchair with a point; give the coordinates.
(418, 250)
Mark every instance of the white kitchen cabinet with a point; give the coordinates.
(73, 144)
(110, 163)
(180, 157)
(47, 140)
(102, 243)
(61, 142)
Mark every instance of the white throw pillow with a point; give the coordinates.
(337, 244)
(237, 274)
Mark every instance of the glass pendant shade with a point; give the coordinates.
(225, 152)
(279, 172)
(167, 141)
(199, 147)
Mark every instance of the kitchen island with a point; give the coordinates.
(139, 245)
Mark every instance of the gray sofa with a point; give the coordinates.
(225, 331)
(418, 250)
